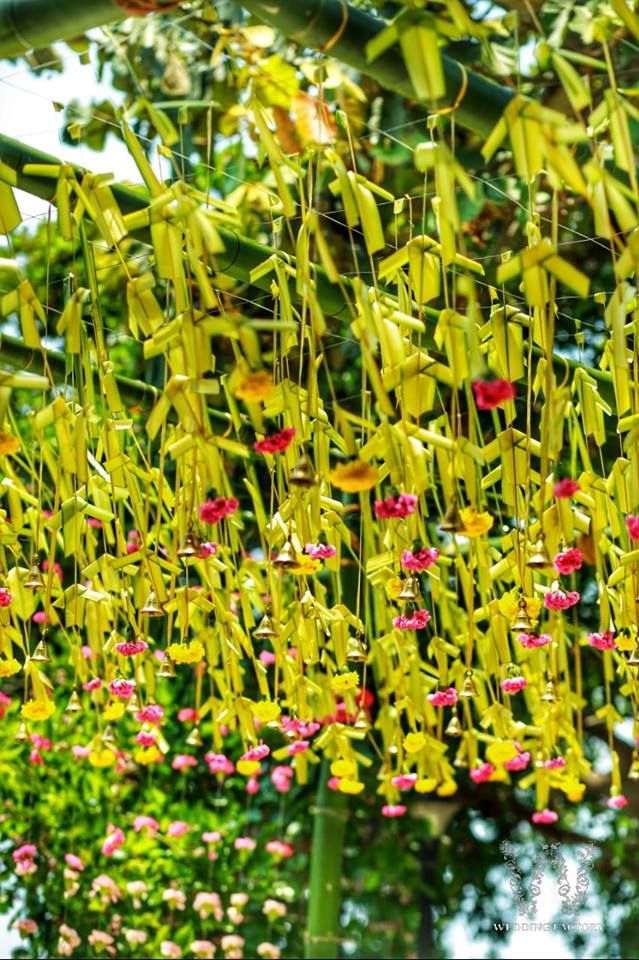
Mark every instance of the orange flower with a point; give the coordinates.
(475, 523)
(8, 443)
(354, 477)
(254, 387)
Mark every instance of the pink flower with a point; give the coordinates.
(320, 551)
(492, 393)
(392, 810)
(94, 522)
(101, 941)
(405, 781)
(203, 949)
(260, 752)
(482, 773)
(514, 684)
(602, 641)
(277, 848)
(6, 597)
(532, 640)
(183, 761)
(267, 657)
(545, 816)
(557, 763)
(212, 836)
(5, 702)
(281, 778)
(218, 763)
(188, 715)
(206, 904)
(122, 689)
(135, 938)
(231, 942)
(244, 843)
(74, 862)
(616, 803)
(79, 751)
(106, 889)
(40, 743)
(268, 951)
(207, 549)
(152, 713)
(632, 526)
(277, 442)
(40, 617)
(252, 786)
(57, 569)
(564, 490)
(568, 561)
(142, 822)
(170, 950)
(129, 648)
(300, 746)
(94, 684)
(25, 927)
(114, 840)
(146, 739)
(215, 510)
(560, 599)
(520, 762)
(26, 852)
(175, 898)
(177, 828)
(414, 621)
(418, 560)
(396, 508)
(443, 698)
(35, 758)
(333, 783)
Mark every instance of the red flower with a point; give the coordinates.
(212, 511)
(393, 508)
(568, 561)
(492, 393)
(632, 525)
(277, 442)
(564, 489)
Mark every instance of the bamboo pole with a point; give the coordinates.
(29, 24)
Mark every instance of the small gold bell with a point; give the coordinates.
(194, 739)
(190, 546)
(411, 589)
(460, 760)
(469, 688)
(109, 734)
(633, 772)
(454, 728)
(550, 693)
(22, 734)
(302, 475)
(74, 705)
(167, 669)
(134, 705)
(361, 722)
(522, 620)
(452, 521)
(266, 628)
(355, 649)
(633, 659)
(34, 581)
(152, 606)
(286, 557)
(539, 557)
(41, 652)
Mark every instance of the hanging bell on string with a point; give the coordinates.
(194, 739)
(460, 760)
(34, 581)
(355, 649)
(550, 692)
(633, 659)
(41, 652)
(454, 728)
(152, 606)
(522, 622)
(286, 557)
(108, 736)
(167, 669)
(633, 772)
(539, 558)
(452, 521)
(74, 705)
(469, 687)
(302, 475)
(362, 722)
(411, 589)
(22, 734)
(190, 546)
(265, 630)
(134, 705)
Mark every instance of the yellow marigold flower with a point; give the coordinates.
(247, 768)
(344, 681)
(114, 711)
(394, 587)
(8, 667)
(147, 755)
(102, 758)
(425, 785)
(344, 768)
(354, 477)
(37, 709)
(266, 711)
(509, 605)
(475, 523)
(413, 742)
(447, 788)
(255, 387)
(191, 652)
(306, 567)
(346, 785)
(498, 753)
(8, 443)
(625, 642)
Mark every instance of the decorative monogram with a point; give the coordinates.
(549, 854)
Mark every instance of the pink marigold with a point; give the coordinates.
(268, 951)
(79, 751)
(545, 816)
(57, 569)
(142, 822)
(215, 510)
(170, 950)
(520, 762)
(114, 840)
(277, 442)
(561, 599)
(492, 393)
(93, 684)
(25, 927)
(320, 551)
(40, 743)
(188, 715)
(333, 783)
(602, 641)
(130, 648)
(231, 942)
(101, 941)
(206, 904)
(218, 763)
(146, 738)
(207, 549)
(392, 810)
(395, 508)
(267, 658)
(565, 489)
(122, 689)
(443, 698)
(556, 763)
(277, 848)
(40, 617)
(405, 781)
(35, 758)
(418, 560)
(514, 684)
(300, 746)
(152, 713)
(212, 836)
(252, 786)
(533, 640)
(244, 843)
(618, 802)
(413, 621)
(26, 852)
(567, 561)
(260, 752)
(183, 761)
(177, 828)
(482, 773)
(6, 597)
(203, 949)
(632, 526)
(74, 862)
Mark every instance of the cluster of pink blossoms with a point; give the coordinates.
(533, 640)
(24, 859)
(6, 597)
(557, 599)
(396, 507)
(545, 816)
(418, 560)
(416, 620)
(482, 773)
(514, 684)
(568, 561)
(130, 648)
(443, 698)
(277, 442)
(212, 511)
(518, 763)
(320, 551)
(565, 489)
(632, 526)
(602, 641)
(114, 840)
(490, 394)
(404, 781)
(122, 689)
(393, 810)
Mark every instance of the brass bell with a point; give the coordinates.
(167, 669)
(194, 739)
(74, 705)
(469, 688)
(550, 693)
(266, 628)
(190, 547)
(109, 734)
(22, 734)
(522, 620)
(411, 589)
(134, 705)
(34, 581)
(460, 760)
(539, 558)
(633, 772)
(454, 728)
(41, 652)
(361, 721)
(633, 659)
(355, 649)
(152, 606)
(302, 475)
(286, 557)
(452, 521)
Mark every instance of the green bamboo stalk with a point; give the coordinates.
(29, 24)
(324, 906)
